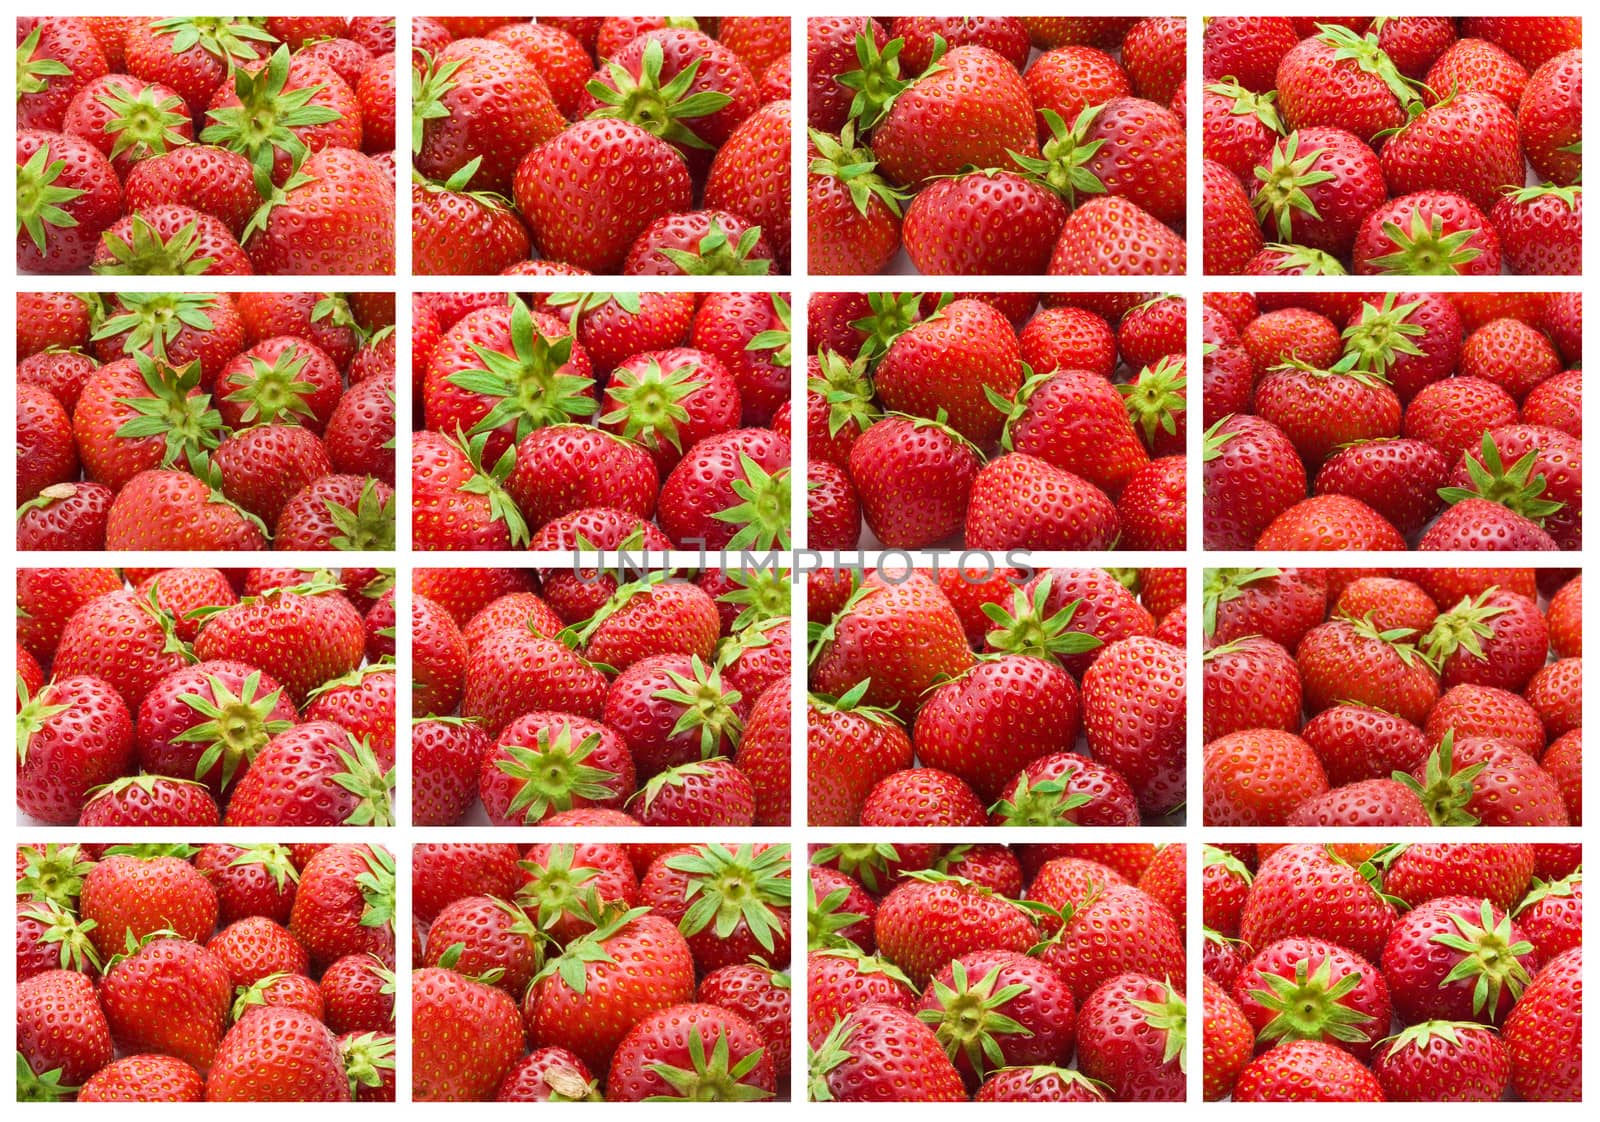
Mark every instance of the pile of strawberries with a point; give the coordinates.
(634, 145)
(955, 697)
(996, 145)
(216, 973)
(220, 145)
(1378, 697)
(205, 421)
(640, 420)
(985, 420)
(1402, 145)
(1402, 973)
(205, 697)
(1428, 421)
(582, 697)
(600, 972)
(978, 972)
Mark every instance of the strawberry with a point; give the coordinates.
(1020, 501)
(1339, 77)
(249, 880)
(1473, 710)
(984, 222)
(1093, 946)
(545, 761)
(127, 119)
(314, 774)
(1466, 143)
(1240, 504)
(1131, 1037)
(1476, 65)
(62, 1035)
(255, 947)
(1256, 777)
(1247, 47)
(1113, 236)
(1133, 699)
(1059, 417)
(1331, 522)
(442, 213)
(1499, 873)
(729, 491)
(1511, 354)
(1306, 890)
(1452, 414)
(1352, 660)
(149, 800)
(1455, 1061)
(345, 904)
(971, 108)
(275, 114)
(851, 747)
(749, 176)
(1540, 228)
(168, 995)
(997, 1009)
(831, 45)
(1310, 989)
(1455, 958)
(557, 188)
(548, 1074)
(338, 512)
(1478, 524)
(1542, 1033)
(441, 873)
(1427, 233)
(1228, 1041)
(922, 796)
(664, 1057)
(58, 57)
(1497, 639)
(1321, 409)
(151, 1078)
(335, 214)
(912, 477)
(449, 1008)
(1250, 683)
(1549, 118)
(302, 636)
(1399, 478)
(73, 736)
(68, 193)
(363, 703)
(950, 362)
(1069, 79)
(1239, 127)
(477, 100)
(1317, 186)
(878, 1051)
(930, 919)
(1306, 1071)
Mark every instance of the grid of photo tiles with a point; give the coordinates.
(513, 776)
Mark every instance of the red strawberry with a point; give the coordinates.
(1321, 409)
(749, 176)
(1095, 945)
(1306, 890)
(449, 1008)
(151, 1078)
(912, 477)
(929, 920)
(170, 996)
(880, 1051)
(443, 214)
(1316, 188)
(729, 491)
(1338, 77)
(974, 1001)
(68, 194)
(1452, 1061)
(314, 774)
(250, 880)
(588, 192)
(1240, 504)
(983, 223)
(1257, 777)
(1399, 478)
(1478, 524)
(1550, 118)
(1306, 1071)
(1310, 989)
(1113, 236)
(1457, 958)
(278, 1055)
(73, 736)
(62, 1035)
(333, 215)
(1331, 522)
(1133, 702)
(1467, 143)
(1130, 1037)
(1247, 47)
(1020, 501)
(1541, 228)
(1427, 233)
(150, 800)
(666, 1056)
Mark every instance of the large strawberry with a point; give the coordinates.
(1307, 890)
(62, 1035)
(749, 176)
(67, 194)
(878, 1052)
(1453, 1061)
(1338, 77)
(1550, 118)
(730, 491)
(1133, 714)
(170, 996)
(479, 100)
(279, 113)
(696, 1052)
(1132, 1037)
(998, 1009)
(1467, 143)
(1116, 237)
(1427, 233)
(302, 636)
(448, 1009)
(278, 1055)
(1306, 1071)
(335, 214)
(1544, 1031)
(948, 362)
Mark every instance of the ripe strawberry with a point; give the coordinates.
(1249, 683)
(1331, 522)
(664, 1057)
(1306, 1071)
(922, 796)
(1453, 1061)
(851, 747)
(1308, 891)
(335, 214)
(1074, 421)
(1247, 47)
(1133, 701)
(1317, 186)
(1093, 946)
(1240, 504)
(1497, 639)
(1452, 414)
(62, 1035)
(1310, 989)
(256, 880)
(985, 222)
(973, 108)
(1478, 524)
(313, 774)
(151, 1078)
(877, 1051)
(1456, 958)
(1543, 1033)
(974, 1001)
(484, 101)
(1467, 144)
(301, 637)
(1321, 409)
(1540, 228)
(548, 1074)
(149, 800)
(73, 735)
(68, 194)
(749, 176)
(729, 491)
(1131, 1036)
(1427, 233)
(448, 1008)
(949, 362)
(632, 965)
(171, 996)
(443, 213)
(1020, 501)
(1256, 777)
(1550, 118)
(1339, 77)
(1397, 477)
(912, 477)
(1499, 873)
(1113, 236)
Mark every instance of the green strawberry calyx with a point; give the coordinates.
(1491, 957)
(649, 401)
(867, 862)
(856, 167)
(1155, 398)
(1168, 1015)
(1236, 869)
(877, 82)
(459, 183)
(1423, 249)
(35, 71)
(1247, 103)
(153, 320)
(234, 726)
(490, 483)
(429, 83)
(713, 1078)
(377, 885)
(1348, 365)
(1567, 194)
(1063, 163)
(226, 38)
(1546, 889)
(1284, 179)
(1445, 790)
(846, 388)
(367, 1057)
(762, 514)
(185, 421)
(71, 934)
(1383, 333)
(264, 122)
(1310, 1005)
(553, 773)
(275, 860)
(373, 787)
(729, 888)
(43, 1086)
(778, 339)
(1421, 1037)
(40, 201)
(146, 785)
(556, 887)
(572, 965)
(1365, 52)
(826, 922)
(273, 392)
(1301, 260)
(892, 315)
(143, 124)
(52, 873)
(1224, 585)
(532, 386)
(1463, 628)
(761, 595)
(1043, 803)
(850, 702)
(716, 255)
(1031, 629)
(659, 108)
(966, 1016)
(1516, 487)
(708, 706)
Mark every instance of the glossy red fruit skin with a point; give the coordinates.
(891, 1055)
(1369, 998)
(170, 996)
(1133, 705)
(1045, 1009)
(983, 224)
(1255, 476)
(60, 1025)
(87, 744)
(1416, 964)
(973, 111)
(448, 1008)
(1476, 1070)
(1303, 890)
(1118, 1046)
(1306, 1071)
(1543, 1033)
(664, 1036)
